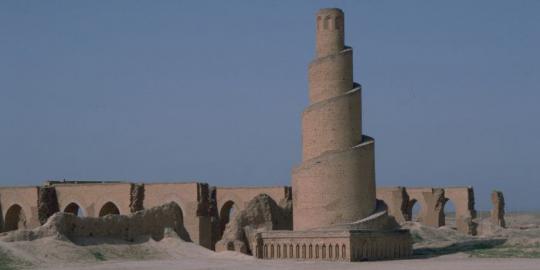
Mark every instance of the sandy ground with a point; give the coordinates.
(431, 264)
(517, 247)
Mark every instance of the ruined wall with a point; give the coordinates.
(463, 200)
(262, 213)
(134, 227)
(47, 203)
(89, 198)
(200, 207)
(193, 199)
(136, 200)
(38, 203)
(497, 212)
(241, 196)
(396, 199)
(432, 201)
(11, 198)
(213, 212)
(92, 197)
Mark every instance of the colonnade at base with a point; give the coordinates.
(334, 245)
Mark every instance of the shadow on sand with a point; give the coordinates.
(465, 246)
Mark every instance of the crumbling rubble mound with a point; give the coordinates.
(261, 214)
(155, 233)
(493, 241)
(138, 226)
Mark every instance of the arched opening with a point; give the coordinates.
(449, 214)
(330, 251)
(413, 211)
(226, 213)
(74, 209)
(291, 251)
(109, 209)
(326, 24)
(15, 218)
(337, 23)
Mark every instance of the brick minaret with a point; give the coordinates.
(335, 183)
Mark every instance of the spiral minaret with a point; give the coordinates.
(335, 183)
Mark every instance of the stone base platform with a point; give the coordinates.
(334, 245)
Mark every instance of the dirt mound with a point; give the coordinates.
(51, 251)
(155, 233)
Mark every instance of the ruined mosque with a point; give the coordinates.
(332, 211)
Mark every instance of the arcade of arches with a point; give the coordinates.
(429, 206)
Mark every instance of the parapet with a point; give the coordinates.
(330, 31)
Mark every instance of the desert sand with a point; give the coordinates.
(517, 247)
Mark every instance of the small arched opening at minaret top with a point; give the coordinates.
(338, 23)
(326, 22)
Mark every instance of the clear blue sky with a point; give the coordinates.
(213, 91)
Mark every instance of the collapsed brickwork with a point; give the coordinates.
(47, 203)
(153, 222)
(261, 214)
(136, 198)
(463, 199)
(29, 207)
(497, 212)
(199, 204)
(432, 201)
(19, 206)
